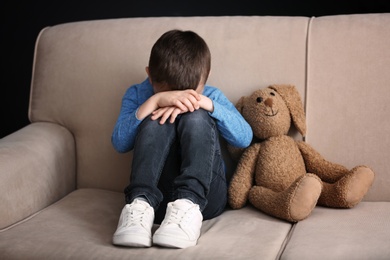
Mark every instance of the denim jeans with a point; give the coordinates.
(179, 160)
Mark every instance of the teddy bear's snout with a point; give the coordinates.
(269, 102)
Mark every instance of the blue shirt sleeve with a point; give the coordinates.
(231, 124)
(125, 129)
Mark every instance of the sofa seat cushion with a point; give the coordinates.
(81, 225)
(358, 233)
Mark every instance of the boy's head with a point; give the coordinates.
(179, 60)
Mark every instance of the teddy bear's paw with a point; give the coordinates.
(236, 203)
(237, 197)
(304, 196)
(357, 183)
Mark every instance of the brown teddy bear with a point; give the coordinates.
(281, 176)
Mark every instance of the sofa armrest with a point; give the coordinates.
(37, 168)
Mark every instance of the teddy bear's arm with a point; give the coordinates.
(242, 180)
(315, 163)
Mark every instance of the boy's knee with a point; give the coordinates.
(149, 125)
(198, 116)
(198, 121)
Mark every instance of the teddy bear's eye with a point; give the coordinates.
(272, 94)
(259, 99)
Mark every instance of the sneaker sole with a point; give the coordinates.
(172, 242)
(125, 240)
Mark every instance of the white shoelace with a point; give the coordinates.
(179, 216)
(135, 216)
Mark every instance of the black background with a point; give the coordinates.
(21, 23)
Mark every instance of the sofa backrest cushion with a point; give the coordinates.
(348, 93)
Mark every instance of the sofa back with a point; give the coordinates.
(339, 65)
(348, 93)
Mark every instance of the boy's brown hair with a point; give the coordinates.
(180, 60)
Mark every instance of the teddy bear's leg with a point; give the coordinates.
(293, 204)
(315, 163)
(349, 190)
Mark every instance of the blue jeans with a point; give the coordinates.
(179, 160)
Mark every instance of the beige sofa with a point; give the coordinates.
(61, 181)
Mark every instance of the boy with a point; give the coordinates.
(172, 121)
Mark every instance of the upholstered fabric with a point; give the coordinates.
(37, 168)
(348, 93)
(361, 233)
(81, 225)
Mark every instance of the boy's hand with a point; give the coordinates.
(172, 112)
(163, 104)
(185, 100)
(206, 103)
(167, 112)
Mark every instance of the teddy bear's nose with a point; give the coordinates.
(269, 102)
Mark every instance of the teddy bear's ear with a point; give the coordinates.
(293, 101)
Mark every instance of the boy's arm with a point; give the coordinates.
(132, 113)
(125, 129)
(172, 112)
(169, 104)
(231, 124)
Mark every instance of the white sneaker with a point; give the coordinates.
(181, 225)
(135, 225)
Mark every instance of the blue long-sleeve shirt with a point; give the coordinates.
(230, 123)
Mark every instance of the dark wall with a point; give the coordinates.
(21, 23)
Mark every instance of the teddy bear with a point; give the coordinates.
(284, 177)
